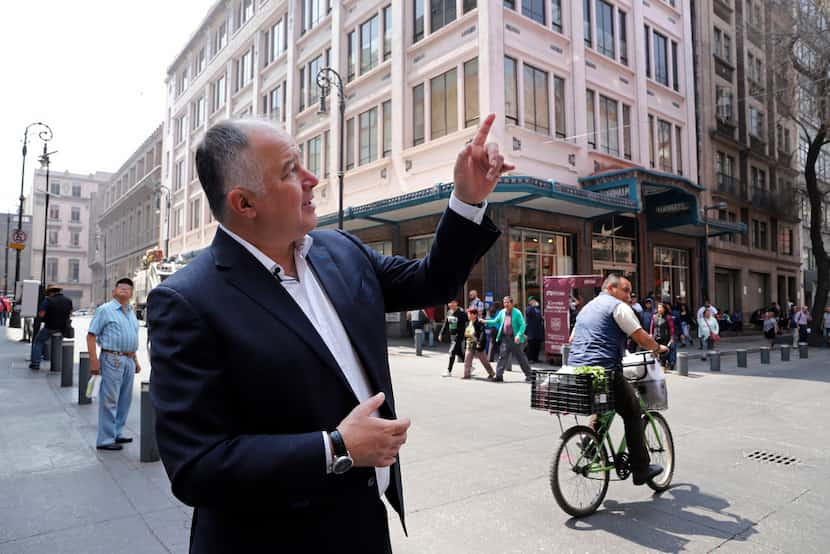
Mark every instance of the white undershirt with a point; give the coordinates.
(625, 317)
(317, 307)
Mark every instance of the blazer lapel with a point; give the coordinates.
(249, 276)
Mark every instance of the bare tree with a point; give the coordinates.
(806, 41)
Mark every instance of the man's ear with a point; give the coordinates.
(241, 202)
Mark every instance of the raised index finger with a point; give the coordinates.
(484, 130)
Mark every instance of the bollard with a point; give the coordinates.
(785, 352)
(683, 364)
(714, 360)
(55, 354)
(149, 451)
(802, 350)
(765, 354)
(419, 342)
(741, 353)
(566, 350)
(67, 362)
(83, 378)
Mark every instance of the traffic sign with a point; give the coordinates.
(17, 246)
(19, 236)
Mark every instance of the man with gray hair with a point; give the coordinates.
(276, 419)
(598, 339)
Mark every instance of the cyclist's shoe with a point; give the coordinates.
(647, 473)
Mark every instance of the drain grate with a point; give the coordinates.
(771, 458)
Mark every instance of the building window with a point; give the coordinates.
(723, 101)
(586, 22)
(51, 269)
(350, 143)
(75, 239)
(556, 15)
(626, 116)
(313, 12)
(245, 69)
(368, 139)
(75, 215)
(469, 5)
(609, 133)
(76, 189)
(301, 81)
(369, 39)
(326, 147)
(756, 123)
(53, 237)
(671, 272)
(55, 188)
(387, 32)
(651, 140)
(785, 241)
(537, 110)
(511, 91)
(559, 106)
(383, 247)
(647, 36)
(605, 28)
(178, 176)
(723, 45)
(276, 103)
(678, 146)
(195, 214)
(443, 104)
(351, 56)
(199, 62)
(661, 59)
(418, 14)
(314, 148)
(675, 71)
(199, 112)
(244, 13)
(759, 234)
(220, 38)
(314, 68)
(54, 213)
(664, 145)
(623, 38)
(219, 93)
(386, 107)
(534, 9)
(418, 115)
(275, 41)
(178, 128)
(178, 223)
(471, 93)
(535, 254)
(590, 119)
(442, 12)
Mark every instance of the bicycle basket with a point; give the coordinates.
(569, 393)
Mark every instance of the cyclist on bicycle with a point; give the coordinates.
(599, 337)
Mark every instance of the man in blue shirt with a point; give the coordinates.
(115, 328)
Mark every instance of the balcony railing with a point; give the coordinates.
(723, 10)
(762, 199)
(723, 68)
(728, 184)
(726, 127)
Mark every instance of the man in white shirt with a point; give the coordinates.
(707, 305)
(275, 411)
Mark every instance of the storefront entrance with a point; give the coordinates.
(671, 274)
(535, 254)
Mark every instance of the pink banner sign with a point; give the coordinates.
(557, 294)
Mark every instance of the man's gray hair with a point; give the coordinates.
(224, 160)
(613, 280)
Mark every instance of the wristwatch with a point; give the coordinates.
(342, 460)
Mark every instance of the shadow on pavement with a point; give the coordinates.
(667, 522)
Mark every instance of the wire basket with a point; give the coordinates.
(570, 393)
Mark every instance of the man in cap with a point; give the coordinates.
(54, 313)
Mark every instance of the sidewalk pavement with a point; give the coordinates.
(57, 492)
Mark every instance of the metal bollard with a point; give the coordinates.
(785, 352)
(714, 360)
(802, 350)
(566, 350)
(683, 364)
(765, 354)
(55, 354)
(149, 451)
(67, 362)
(83, 378)
(419, 342)
(741, 353)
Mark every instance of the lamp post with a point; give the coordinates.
(705, 280)
(327, 77)
(103, 238)
(45, 135)
(44, 164)
(159, 190)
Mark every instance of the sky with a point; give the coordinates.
(94, 71)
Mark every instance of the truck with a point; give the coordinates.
(154, 271)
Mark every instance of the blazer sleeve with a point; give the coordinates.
(457, 246)
(210, 464)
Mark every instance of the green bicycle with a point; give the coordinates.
(582, 464)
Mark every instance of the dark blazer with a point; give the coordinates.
(445, 332)
(481, 337)
(535, 329)
(243, 385)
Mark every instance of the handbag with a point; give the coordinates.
(68, 330)
(714, 337)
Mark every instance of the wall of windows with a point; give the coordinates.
(535, 254)
(671, 273)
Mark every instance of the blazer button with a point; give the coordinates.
(371, 481)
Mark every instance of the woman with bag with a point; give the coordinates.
(662, 330)
(474, 338)
(708, 331)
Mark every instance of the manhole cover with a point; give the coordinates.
(771, 458)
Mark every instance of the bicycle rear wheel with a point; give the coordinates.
(660, 446)
(575, 481)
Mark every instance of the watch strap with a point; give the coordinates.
(338, 444)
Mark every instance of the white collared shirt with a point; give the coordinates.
(317, 307)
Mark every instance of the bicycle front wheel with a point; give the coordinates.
(579, 471)
(660, 446)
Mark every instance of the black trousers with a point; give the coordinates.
(534, 346)
(456, 351)
(628, 407)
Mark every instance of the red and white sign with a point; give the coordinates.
(557, 293)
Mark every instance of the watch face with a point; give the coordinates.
(342, 465)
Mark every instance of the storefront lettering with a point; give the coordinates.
(673, 208)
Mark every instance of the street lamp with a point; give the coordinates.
(45, 135)
(44, 164)
(103, 238)
(706, 209)
(159, 189)
(325, 79)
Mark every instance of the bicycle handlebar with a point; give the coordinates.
(644, 364)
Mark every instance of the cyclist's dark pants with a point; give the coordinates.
(628, 407)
